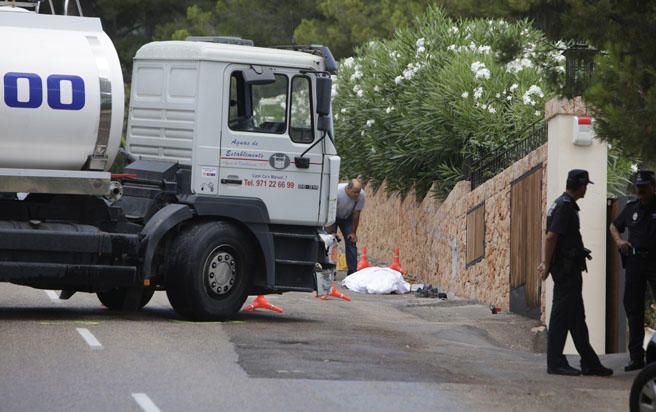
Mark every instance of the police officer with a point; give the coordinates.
(564, 256)
(639, 258)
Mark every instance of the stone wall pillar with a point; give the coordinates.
(563, 155)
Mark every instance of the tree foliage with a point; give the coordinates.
(345, 24)
(409, 109)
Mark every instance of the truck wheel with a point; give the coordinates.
(210, 272)
(114, 299)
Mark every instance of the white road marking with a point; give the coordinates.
(53, 296)
(144, 401)
(89, 338)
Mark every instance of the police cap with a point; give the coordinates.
(579, 176)
(643, 178)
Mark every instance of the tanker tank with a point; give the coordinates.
(61, 92)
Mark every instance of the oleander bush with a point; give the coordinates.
(409, 109)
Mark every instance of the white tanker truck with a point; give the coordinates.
(232, 168)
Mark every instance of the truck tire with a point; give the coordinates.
(114, 299)
(211, 271)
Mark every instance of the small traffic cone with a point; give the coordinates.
(363, 263)
(396, 264)
(260, 302)
(336, 294)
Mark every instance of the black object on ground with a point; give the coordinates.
(428, 291)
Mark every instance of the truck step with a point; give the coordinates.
(294, 262)
(293, 235)
(60, 275)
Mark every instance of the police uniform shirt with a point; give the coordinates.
(563, 219)
(641, 221)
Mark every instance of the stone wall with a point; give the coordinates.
(425, 232)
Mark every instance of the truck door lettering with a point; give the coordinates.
(35, 91)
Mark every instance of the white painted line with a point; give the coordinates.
(144, 401)
(89, 338)
(53, 296)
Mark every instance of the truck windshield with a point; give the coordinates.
(258, 107)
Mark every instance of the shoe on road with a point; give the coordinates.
(634, 365)
(600, 370)
(564, 370)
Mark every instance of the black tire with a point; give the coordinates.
(643, 390)
(211, 271)
(115, 298)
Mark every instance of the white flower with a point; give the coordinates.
(336, 116)
(537, 113)
(360, 93)
(465, 95)
(634, 168)
(421, 49)
(349, 62)
(389, 109)
(535, 90)
(478, 93)
(362, 133)
(420, 43)
(370, 122)
(491, 109)
(483, 74)
(518, 65)
(526, 98)
(509, 98)
(484, 49)
(472, 46)
(356, 75)
(476, 66)
(452, 47)
(398, 79)
(498, 95)
(484, 106)
(376, 88)
(356, 88)
(343, 110)
(453, 30)
(514, 87)
(479, 70)
(394, 55)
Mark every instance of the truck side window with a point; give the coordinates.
(260, 108)
(300, 129)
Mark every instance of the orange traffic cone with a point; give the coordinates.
(363, 263)
(336, 294)
(260, 302)
(396, 264)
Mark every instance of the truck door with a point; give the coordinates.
(269, 122)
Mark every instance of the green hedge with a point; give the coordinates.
(409, 109)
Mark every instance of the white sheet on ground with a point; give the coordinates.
(377, 281)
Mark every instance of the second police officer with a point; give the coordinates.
(639, 259)
(564, 257)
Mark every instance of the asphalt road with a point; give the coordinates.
(383, 353)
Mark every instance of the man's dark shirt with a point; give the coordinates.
(563, 219)
(641, 221)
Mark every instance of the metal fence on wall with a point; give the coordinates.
(500, 160)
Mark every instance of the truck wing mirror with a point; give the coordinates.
(324, 89)
(258, 75)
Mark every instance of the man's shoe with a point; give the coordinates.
(564, 370)
(634, 365)
(600, 370)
